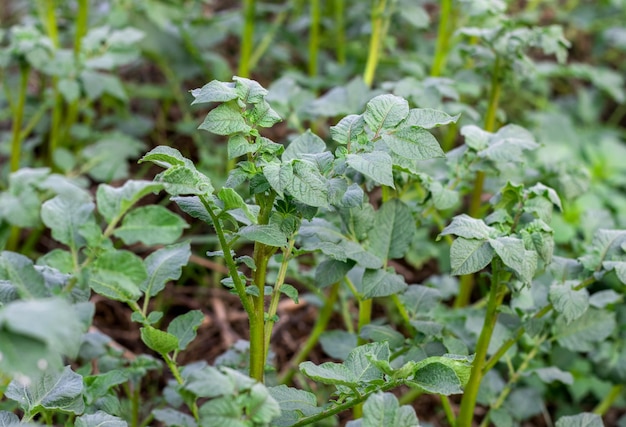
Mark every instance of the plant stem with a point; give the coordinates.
(609, 399)
(373, 56)
(267, 39)
(443, 38)
(496, 294)
(340, 30)
(447, 408)
(320, 326)
(16, 140)
(314, 36)
(271, 313)
(247, 38)
(467, 281)
(365, 317)
(410, 396)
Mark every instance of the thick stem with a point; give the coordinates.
(373, 56)
(247, 38)
(609, 399)
(340, 30)
(320, 326)
(365, 317)
(443, 38)
(468, 402)
(16, 140)
(314, 36)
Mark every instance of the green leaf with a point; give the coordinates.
(165, 157)
(420, 300)
(469, 255)
(209, 382)
(586, 419)
(307, 143)
(52, 321)
(20, 272)
(379, 333)
(585, 332)
(551, 374)
(193, 206)
(508, 145)
(184, 327)
(100, 419)
(348, 129)
(619, 267)
(513, 254)
(569, 302)
(604, 243)
(23, 355)
(249, 91)
(179, 180)
(9, 419)
(164, 265)
(214, 91)
(263, 115)
(428, 118)
(385, 112)
(64, 214)
(381, 283)
(331, 271)
(238, 145)
(99, 385)
(377, 166)
(160, 341)
(261, 407)
(225, 119)
(151, 225)
(413, 143)
(338, 344)
(393, 231)
(270, 234)
(60, 391)
(222, 412)
(117, 275)
(232, 200)
(114, 202)
(294, 404)
(383, 409)
(172, 418)
(469, 228)
(307, 185)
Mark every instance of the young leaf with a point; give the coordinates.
(184, 327)
(232, 200)
(249, 91)
(114, 202)
(377, 166)
(569, 302)
(221, 412)
(117, 275)
(22, 354)
(442, 375)
(347, 130)
(64, 214)
(225, 119)
(61, 391)
(293, 404)
(393, 231)
(413, 143)
(420, 300)
(164, 265)
(331, 271)
(383, 409)
(381, 283)
(214, 91)
(469, 255)
(307, 185)
(307, 143)
(160, 341)
(261, 407)
(263, 115)
(428, 118)
(338, 344)
(469, 228)
(551, 374)
(100, 419)
(151, 225)
(172, 418)
(165, 157)
(513, 254)
(385, 112)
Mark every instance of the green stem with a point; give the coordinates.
(173, 368)
(344, 406)
(410, 396)
(447, 408)
(609, 399)
(443, 38)
(135, 398)
(365, 317)
(314, 37)
(247, 38)
(496, 294)
(273, 308)
(320, 326)
(267, 39)
(16, 140)
(373, 56)
(340, 30)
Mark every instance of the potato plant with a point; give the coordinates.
(466, 162)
